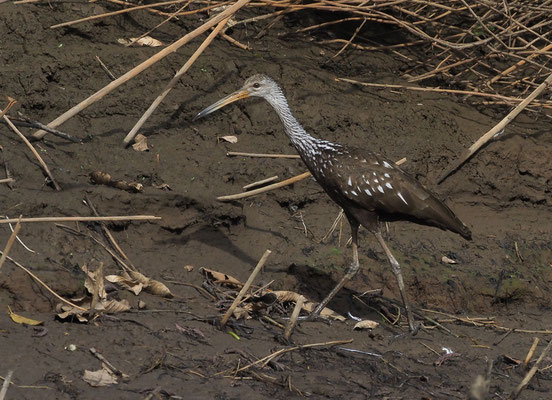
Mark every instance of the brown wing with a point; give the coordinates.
(374, 183)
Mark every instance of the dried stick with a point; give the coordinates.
(265, 189)
(104, 360)
(294, 315)
(266, 360)
(261, 155)
(141, 67)
(10, 241)
(26, 122)
(531, 352)
(30, 146)
(350, 40)
(130, 136)
(106, 231)
(11, 103)
(245, 288)
(261, 182)
(531, 373)
(519, 64)
(110, 14)
(82, 219)
(43, 284)
(7, 180)
(488, 136)
(431, 89)
(6, 385)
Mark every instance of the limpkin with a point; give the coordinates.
(369, 187)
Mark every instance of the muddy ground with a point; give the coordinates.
(503, 194)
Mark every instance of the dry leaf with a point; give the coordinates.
(189, 268)
(163, 186)
(136, 281)
(366, 324)
(447, 260)
(18, 319)
(140, 143)
(309, 306)
(229, 139)
(219, 277)
(145, 41)
(99, 378)
(242, 312)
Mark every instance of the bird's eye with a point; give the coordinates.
(256, 85)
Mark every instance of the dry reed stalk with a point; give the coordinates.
(531, 372)
(36, 278)
(294, 315)
(250, 193)
(261, 155)
(82, 219)
(261, 182)
(35, 153)
(10, 241)
(130, 136)
(7, 180)
(141, 67)
(6, 385)
(498, 127)
(118, 12)
(530, 353)
(245, 288)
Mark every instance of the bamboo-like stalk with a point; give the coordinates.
(143, 66)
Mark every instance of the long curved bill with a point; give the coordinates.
(240, 94)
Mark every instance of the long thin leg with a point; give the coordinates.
(349, 274)
(396, 268)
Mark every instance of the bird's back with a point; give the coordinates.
(370, 187)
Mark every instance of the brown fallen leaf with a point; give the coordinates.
(308, 306)
(140, 143)
(189, 268)
(366, 324)
(219, 277)
(136, 281)
(144, 41)
(100, 378)
(18, 319)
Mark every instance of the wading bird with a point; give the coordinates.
(369, 187)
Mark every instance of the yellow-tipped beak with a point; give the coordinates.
(240, 94)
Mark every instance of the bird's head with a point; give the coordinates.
(255, 86)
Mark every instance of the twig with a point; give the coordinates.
(294, 315)
(531, 373)
(350, 40)
(26, 122)
(104, 360)
(261, 182)
(130, 136)
(83, 219)
(432, 89)
(143, 66)
(266, 188)
(110, 14)
(519, 64)
(7, 180)
(530, 353)
(267, 359)
(45, 286)
(499, 127)
(261, 155)
(6, 385)
(30, 146)
(107, 232)
(245, 288)
(11, 103)
(104, 67)
(10, 241)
